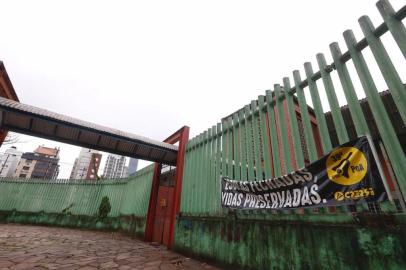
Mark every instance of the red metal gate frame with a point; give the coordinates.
(181, 136)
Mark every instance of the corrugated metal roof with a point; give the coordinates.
(39, 122)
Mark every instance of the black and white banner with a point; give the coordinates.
(346, 175)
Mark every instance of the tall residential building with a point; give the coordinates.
(115, 167)
(86, 165)
(126, 174)
(42, 163)
(132, 166)
(9, 161)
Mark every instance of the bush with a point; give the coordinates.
(105, 207)
(67, 210)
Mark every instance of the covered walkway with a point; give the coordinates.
(33, 121)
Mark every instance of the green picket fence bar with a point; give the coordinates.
(280, 132)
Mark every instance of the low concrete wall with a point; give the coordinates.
(128, 224)
(362, 242)
(287, 242)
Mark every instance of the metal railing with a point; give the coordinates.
(279, 132)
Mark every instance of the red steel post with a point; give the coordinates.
(184, 137)
(149, 227)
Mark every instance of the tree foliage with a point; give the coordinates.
(105, 207)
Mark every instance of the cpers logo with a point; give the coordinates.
(346, 166)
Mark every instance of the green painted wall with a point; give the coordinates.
(282, 244)
(128, 224)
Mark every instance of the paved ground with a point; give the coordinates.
(35, 247)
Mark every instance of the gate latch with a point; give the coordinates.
(163, 202)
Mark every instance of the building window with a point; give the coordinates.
(26, 168)
(22, 175)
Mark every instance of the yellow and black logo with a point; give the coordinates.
(346, 166)
(339, 196)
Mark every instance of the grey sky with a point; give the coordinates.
(150, 67)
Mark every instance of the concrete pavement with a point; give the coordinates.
(36, 247)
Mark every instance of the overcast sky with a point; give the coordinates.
(150, 67)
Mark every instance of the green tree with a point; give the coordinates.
(104, 208)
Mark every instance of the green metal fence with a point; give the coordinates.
(282, 131)
(79, 197)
